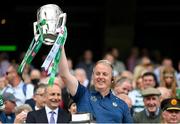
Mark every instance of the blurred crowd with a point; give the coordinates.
(150, 85)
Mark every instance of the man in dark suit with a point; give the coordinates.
(44, 115)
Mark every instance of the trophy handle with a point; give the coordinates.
(63, 16)
(36, 35)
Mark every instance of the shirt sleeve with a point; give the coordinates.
(127, 115)
(29, 91)
(79, 93)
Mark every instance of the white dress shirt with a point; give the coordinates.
(48, 113)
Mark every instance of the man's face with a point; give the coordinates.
(53, 96)
(73, 108)
(148, 81)
(124, 88)
(171, 116)
(102, 77)
(10, 74)
(152, 103)
(39, 97)
(9, 107)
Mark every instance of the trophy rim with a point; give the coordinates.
(50, 5)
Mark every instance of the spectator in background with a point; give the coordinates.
(81, 76)
(10, 104)
(38, 100)
(4, 63)
(168, 79)
(108, 56)
(72, 107)
(142, 67)
(129, 75)
(151, 113)
(136, 97)
(4, 86)
(166, 62)
(171, 111)
(25, 73)
(87, 63)
(70, 65)
(39, 97)
(35, 76)
(133, 58)
(165, 93)
(117, 64)
(122, 85)
(21, 113)
(149, 80)
(21, 90)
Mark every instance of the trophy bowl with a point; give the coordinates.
(54, 18)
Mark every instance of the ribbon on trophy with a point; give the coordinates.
(49, 29)
(52, 60)
(33, 48)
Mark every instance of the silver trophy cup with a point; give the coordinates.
(54, 18)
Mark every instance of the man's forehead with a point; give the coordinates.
(41, 89)
(54, 87)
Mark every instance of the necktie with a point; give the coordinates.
(52, 120)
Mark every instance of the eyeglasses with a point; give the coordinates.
(38, 94)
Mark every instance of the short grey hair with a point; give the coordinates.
(19, 109)
(121, 80)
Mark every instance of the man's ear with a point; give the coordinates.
(112, 79)
(112, 82)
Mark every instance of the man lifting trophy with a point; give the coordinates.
(49, 29)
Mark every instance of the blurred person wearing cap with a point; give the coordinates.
(170, 110)
(148, 79)
(10, 104)
(151, 112)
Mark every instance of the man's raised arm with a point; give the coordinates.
(70, 81)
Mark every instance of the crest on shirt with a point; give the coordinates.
(114, 104)
(93, 98)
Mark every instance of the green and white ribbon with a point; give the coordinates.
(33, 48)
(52, 60)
